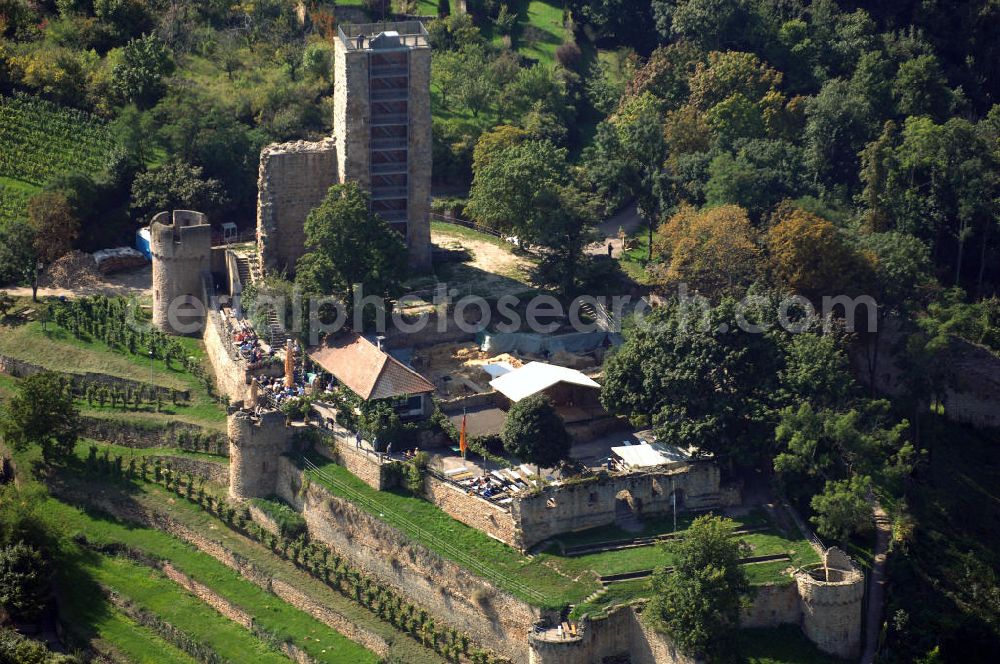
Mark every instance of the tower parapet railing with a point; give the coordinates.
(411, 34)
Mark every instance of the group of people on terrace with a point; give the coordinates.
(499, 486)
(247, 343)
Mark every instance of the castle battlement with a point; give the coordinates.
(831, 595)
(181, 245)
(255, 445)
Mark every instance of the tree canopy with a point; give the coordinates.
(698, 602)
(42, 413)
(348, 244)
(534, 432)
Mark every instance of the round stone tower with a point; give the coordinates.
(831, 596)
(181, 244)
(255, 444)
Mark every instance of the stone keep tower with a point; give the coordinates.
(181, 245)
(382, 123)
(831, 596)
(255, 444)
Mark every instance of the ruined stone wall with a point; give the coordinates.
(419, 160)
(472, 510)
(292, 180)
(351, 114)
(971, 376)
(363, 464)
(620, 633)
(255, 446)
(435, 330)
(592, 503)
(181, 245)
(773, 604)
(490, 616)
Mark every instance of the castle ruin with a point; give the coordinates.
(381, 140)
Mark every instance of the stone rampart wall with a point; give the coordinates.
(230, 377)
(363, 464)
(621, 635)
(591, 503)
(490, 616)
(773, 604)
(472, 510)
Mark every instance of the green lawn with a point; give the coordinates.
(540, 30)
(281, 620)
(634, 261)
(764, 543)
(528, 578)
(58, 350)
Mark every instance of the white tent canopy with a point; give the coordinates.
(535, 377)
(646, 455)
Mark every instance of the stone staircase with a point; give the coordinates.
(249, 271)
(599, 314)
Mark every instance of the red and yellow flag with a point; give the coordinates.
(462, 442)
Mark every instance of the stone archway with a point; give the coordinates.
(628, 510)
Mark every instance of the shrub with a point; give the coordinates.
(24, 581)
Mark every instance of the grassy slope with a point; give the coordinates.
(154, 497)
(58, 350)
(270, 613)
(83, 449)
(152, 591)
(91, 620)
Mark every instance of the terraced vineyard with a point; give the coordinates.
(40, 140)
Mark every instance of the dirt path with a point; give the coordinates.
(136, 282)
(492, 269)
(628, 219)
(876, 585)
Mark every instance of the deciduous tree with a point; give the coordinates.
(714, 252)
(535, 433)
(42, 413)
(698, 603)
(810, 256)
(348, 245)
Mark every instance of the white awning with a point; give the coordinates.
(645, 455)
(535, 377)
